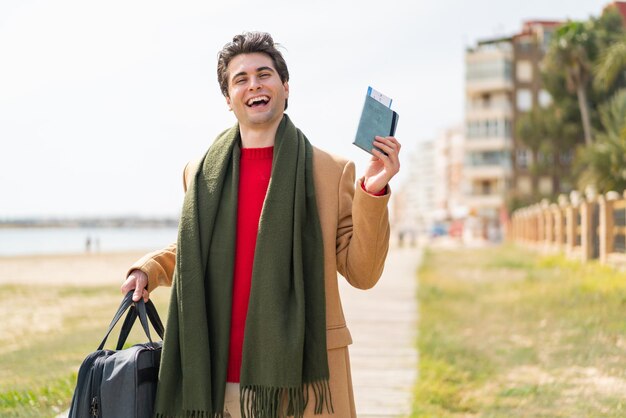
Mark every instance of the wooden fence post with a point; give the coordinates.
(573, 223)
(607, 225)
(561, 207)
(540, 224)
(589, 229)
(557, 225)
(547, 222)
(570, 229)
(585, 230)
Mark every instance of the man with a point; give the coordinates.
(255, 327)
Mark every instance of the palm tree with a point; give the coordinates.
(604, 164)
(530, 129)
(545, 131)
(572, 51)
(611, 65)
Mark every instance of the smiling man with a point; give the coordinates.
(255, 326)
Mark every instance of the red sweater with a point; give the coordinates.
(254, 176)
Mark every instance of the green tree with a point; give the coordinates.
(604, 163)
(573, 51)
(551, 138)
(611, 66)
(531, 131)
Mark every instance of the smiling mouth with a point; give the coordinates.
(258, 101)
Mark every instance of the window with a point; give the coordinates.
(524, 71)
(524, 44)
(545, 185)
(547, 38)
(487, 158)
(508, 129)
(524, 185)
(504, 128)
(544, 99)
(524, 100)
(522, 158)
(484, 70)
(508, 70)
(566, 157)
(488, 128)
(485, 187)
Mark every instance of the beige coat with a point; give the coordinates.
(355, 228)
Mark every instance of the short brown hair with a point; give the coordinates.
(249, 43)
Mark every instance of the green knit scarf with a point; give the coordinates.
(284, 349)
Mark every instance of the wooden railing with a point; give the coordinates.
(593, 227)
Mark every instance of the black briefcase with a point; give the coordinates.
(121, 383)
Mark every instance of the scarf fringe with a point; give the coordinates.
(192, 414)
(274, 402)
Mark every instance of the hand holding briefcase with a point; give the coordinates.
(121, 383)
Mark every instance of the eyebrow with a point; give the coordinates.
(257, 70)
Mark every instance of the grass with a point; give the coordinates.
(505, 332)
(45, 335)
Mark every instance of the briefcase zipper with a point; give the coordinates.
(94, 411)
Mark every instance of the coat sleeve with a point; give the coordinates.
(159, 265)
(362, 232)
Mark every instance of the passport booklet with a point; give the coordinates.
(377, 119)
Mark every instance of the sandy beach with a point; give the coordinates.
(67, 269)
(60, 286)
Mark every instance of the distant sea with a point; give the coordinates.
(43, 241)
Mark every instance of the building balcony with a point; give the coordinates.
(481, 86)
(502, 110)
(479, 201)
(487, 171)
(488, 144)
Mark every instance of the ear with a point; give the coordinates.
(286, 87)
(230, 107)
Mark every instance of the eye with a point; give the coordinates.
(264, 75)
(240, 81)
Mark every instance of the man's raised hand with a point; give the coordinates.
(382, 167)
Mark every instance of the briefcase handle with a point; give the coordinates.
(143, 310)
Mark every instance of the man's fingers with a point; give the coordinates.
(384, 147)
(391, 143)
(392, 156)
(390, 146)
(140, 287)
(129, 284)
(381, 156)
(391, 139)
(137, 280)
(395, 142)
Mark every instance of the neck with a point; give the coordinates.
(259, 136)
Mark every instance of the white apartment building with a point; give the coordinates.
(449, 156)
(488, 129)
(415, 202)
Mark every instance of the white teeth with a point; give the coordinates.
(257, 99)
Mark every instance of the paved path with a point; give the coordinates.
(383, 323)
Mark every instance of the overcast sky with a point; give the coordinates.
(103, 102)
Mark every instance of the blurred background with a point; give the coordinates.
(102, 105)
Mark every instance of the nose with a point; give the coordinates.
(255, 83)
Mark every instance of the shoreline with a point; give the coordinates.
(80, 269)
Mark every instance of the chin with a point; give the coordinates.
(262, 119)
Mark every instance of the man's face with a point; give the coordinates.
(255, 92)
